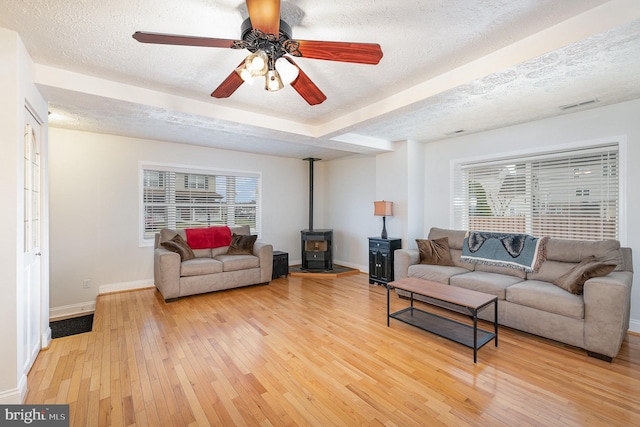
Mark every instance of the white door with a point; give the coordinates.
(32, 238)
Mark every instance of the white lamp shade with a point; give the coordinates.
(257, 63)
(244, 73)
(288, 71)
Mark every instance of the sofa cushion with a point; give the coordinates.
(566, 250)
(241, 244)
(546, 296)
(551, 270)
(199, 266)
(168, 234)
(456, 255)
(482, 281)
(434, 252)
(238, 262)
(501, 270)
(454, 237)
(243, 230)
(573, 280)
(179, 246)
(436, 273)
(203, 253)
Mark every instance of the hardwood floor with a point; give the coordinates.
(318, 352)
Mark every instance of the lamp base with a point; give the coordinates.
(384, 228)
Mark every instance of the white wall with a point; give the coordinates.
(400, 178)
(349, 209)
(94, 208)
(17, 89)
(354, 183)
(9, 117)
(613, 120)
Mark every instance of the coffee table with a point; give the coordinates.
(452, 298)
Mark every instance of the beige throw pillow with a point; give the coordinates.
(434, 252)
(574, 279)
(178, 245)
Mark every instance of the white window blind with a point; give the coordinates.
(185, 199)
(570, 194)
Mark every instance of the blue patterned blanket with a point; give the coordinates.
(519, 251)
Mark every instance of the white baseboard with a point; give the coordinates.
(46, 338)
(71, 310)
(126, 286)
(295, 261)
(90, 306)
(634, 326)
(361, 268)
(15, 396)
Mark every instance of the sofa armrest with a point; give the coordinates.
(607, 305)
(166, 273)
(402, 259)
(264, 251)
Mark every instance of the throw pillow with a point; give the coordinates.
(241, 244)
(435, 252)
(179, 246)
(574, 279)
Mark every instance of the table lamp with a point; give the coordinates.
(383, 209)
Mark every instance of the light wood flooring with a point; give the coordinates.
(315, 351)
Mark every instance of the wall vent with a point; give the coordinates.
(578, 104)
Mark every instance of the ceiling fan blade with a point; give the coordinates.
(265, 15)
(306, 88)
(157, 38)
(360, 53)
(229, 85)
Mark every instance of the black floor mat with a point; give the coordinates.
(73, 326)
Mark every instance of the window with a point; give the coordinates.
(178, 198)
(570, 194)
(196, 182)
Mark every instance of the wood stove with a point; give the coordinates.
(316, 249)
(316, 245)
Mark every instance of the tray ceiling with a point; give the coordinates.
(460, 65)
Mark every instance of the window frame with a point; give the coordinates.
(525, 155)
(191, 170)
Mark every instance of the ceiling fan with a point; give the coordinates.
(268, 38)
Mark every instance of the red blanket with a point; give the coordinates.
(211, 237)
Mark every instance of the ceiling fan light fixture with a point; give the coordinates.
(244, 73)
(257, 63)
(288, 71)
(273, 82)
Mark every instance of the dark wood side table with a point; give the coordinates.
(280, 264)
(381, 259)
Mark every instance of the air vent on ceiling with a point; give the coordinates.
(455, 132)
(579, 104)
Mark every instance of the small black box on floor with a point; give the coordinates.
(280, 264)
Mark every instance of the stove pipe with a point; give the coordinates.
(311, 160)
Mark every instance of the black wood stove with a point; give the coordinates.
(316, 244)
(316, 249)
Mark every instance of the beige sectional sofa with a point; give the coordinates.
(211, 269)
(597, 320)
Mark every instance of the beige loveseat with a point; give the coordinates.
(597, 320)
(211, 269)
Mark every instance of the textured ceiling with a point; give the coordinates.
(451, 65)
